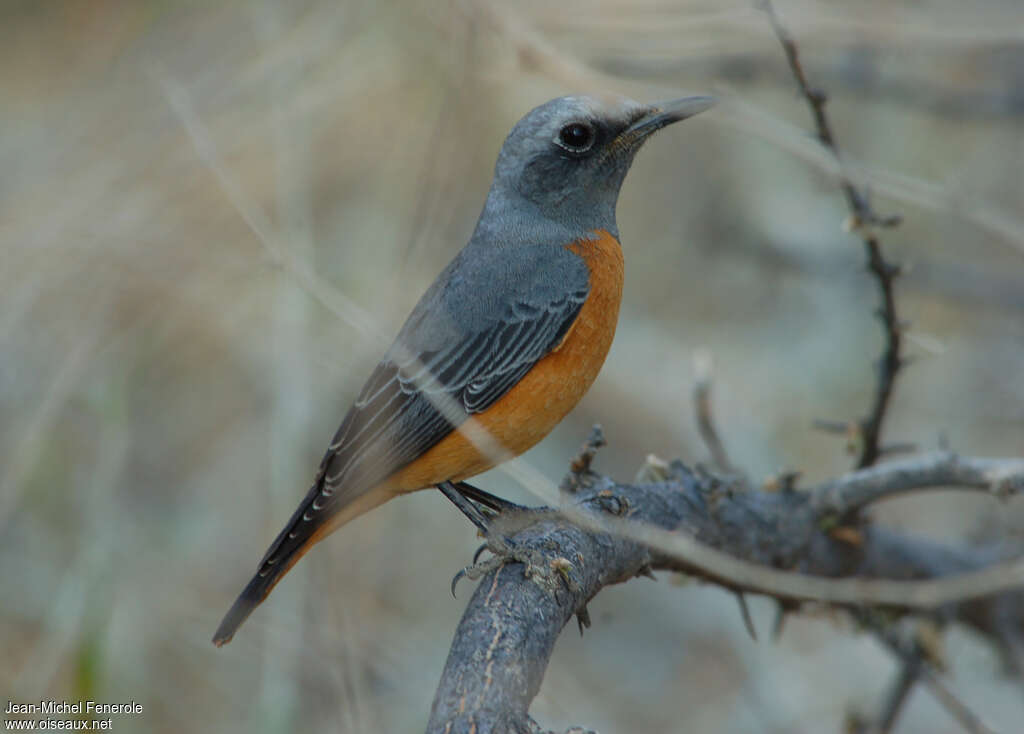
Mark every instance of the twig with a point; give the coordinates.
(899, 691)
(705, 416)
(863, 220)
(890, 362)
(913, 660)
(579, 466)
(910, 672)
(853, 491)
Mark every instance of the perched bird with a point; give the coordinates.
(503, 344)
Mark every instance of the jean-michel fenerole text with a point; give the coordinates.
(88, 708)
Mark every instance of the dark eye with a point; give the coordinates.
(576, 137)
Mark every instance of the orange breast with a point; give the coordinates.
(545, 395)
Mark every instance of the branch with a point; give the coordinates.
(908, 676)
(610, 533)
(863, 219)
(915, 667)
(849, 493)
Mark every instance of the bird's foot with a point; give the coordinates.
(503, 550)
(542, 566)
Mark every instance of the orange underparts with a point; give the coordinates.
(544, 396)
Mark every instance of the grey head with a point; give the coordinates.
(564, 162)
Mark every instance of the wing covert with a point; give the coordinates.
(413, 399)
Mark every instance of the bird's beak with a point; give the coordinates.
(660, 114)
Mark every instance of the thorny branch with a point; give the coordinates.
(916, 666)
(864, 221)
(865, 436)
(557, 564)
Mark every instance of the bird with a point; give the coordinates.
(502, 345)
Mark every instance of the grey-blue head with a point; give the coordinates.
(566, 159)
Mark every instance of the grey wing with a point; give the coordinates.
(413, 400)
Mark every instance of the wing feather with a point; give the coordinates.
(406, 406)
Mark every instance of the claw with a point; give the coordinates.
(479, 552)
(455, 581)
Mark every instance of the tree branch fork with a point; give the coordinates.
(607, 533)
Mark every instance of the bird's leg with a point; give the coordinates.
(509, 520)
(487, 499)
(465, 496)
(466, 506)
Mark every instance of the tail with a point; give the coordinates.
(300, 534)
(283, 553)
(250, 598)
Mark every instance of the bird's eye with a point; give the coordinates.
(576, 137)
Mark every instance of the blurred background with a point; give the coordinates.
(214, 217)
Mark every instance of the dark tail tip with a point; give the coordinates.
(250, 598)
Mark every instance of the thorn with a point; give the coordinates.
(745, 612)
(583, 619)
(646, 572)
